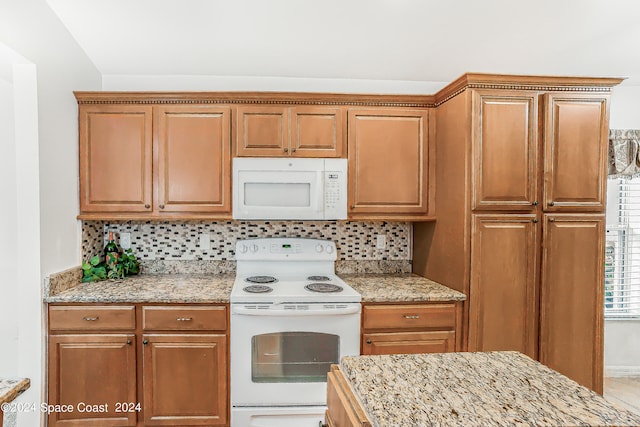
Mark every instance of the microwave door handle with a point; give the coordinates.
(321, 195)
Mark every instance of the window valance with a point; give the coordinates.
(624, 153)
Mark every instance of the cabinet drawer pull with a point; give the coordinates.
(368, 341)
(128, 342)
(90, 319)
(411, 316)
(184, 319)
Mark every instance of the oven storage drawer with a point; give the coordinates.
(184, 318)
(92, 318)
(409, 316)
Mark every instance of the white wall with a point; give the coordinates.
(46, 175)
(622, 337)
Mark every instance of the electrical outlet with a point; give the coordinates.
(381, 241)
(205, 241)
(125, 240)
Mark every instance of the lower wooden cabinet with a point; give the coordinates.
(343, 407)
(138, 365)
(411, 328)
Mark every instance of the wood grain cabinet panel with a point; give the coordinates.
(411, 328)
(505, 153)
(572, 292)
(388, 162)
(92, 370)
(309, 131)
(185, 380)
(92, 318)
(194, 159)
(184, 318)
(575, 152)
(115, 158)
(503, 298)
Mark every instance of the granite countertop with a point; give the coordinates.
(150, 288)
(11, 388)
(216, 288)
(400, 288)
(474, 389)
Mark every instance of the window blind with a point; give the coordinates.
(622, 250)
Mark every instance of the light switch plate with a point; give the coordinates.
(125, 240)
(381, 241)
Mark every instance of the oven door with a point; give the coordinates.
(280, 355)
(278, 193)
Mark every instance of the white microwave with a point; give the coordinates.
(289, 188)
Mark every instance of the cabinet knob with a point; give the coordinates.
(321, 424)
(145, 342)
(161, 206)
(552, 203)
(128, 342)
(286, 150)
(147, 206)
(293, 150)
(534, 220)
(535, 203)
(353, 206)
(368, 341)
(552, 219)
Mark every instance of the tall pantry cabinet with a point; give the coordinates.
(521, 173)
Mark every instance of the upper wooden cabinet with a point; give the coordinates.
(505, 149)
(308, 131)
(510, 154)
(160, 161)
(575, 152)
(194, 158)
(389, 162)
(115, 158)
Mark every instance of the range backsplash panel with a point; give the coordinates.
(180, 241)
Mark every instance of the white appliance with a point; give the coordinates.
(291, 318)
(289, 188)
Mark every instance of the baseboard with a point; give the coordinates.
(622, 371)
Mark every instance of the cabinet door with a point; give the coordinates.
(571, 305)
(388, 161)
(503, 293)
(262, 132)
(92, 370)
(185, 380)
(317, 132)
(194, 160)
(505, 153)
(408, 342)
(575, 152)
(115, 158)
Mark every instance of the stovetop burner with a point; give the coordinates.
(319, 278)
(257, 289)
(261, 279)
(323, 287)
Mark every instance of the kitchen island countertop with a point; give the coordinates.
(10, 388)
(400, 288)
(474, 389)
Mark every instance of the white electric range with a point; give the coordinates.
(291, 318)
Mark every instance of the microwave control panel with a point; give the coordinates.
(335, 189)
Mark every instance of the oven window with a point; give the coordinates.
(277, 194)
(293, 357)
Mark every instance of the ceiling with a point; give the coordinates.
(401, 40)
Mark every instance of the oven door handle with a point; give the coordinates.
(294, 313)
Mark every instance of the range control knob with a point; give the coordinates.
(243, 249)
(254, 248)
(329, 249)
(319, 248)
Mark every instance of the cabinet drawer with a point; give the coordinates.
(184, 318)
(92, 318)
(440, 316)
(409, 342)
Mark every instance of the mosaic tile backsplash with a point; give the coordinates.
(180, 241)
